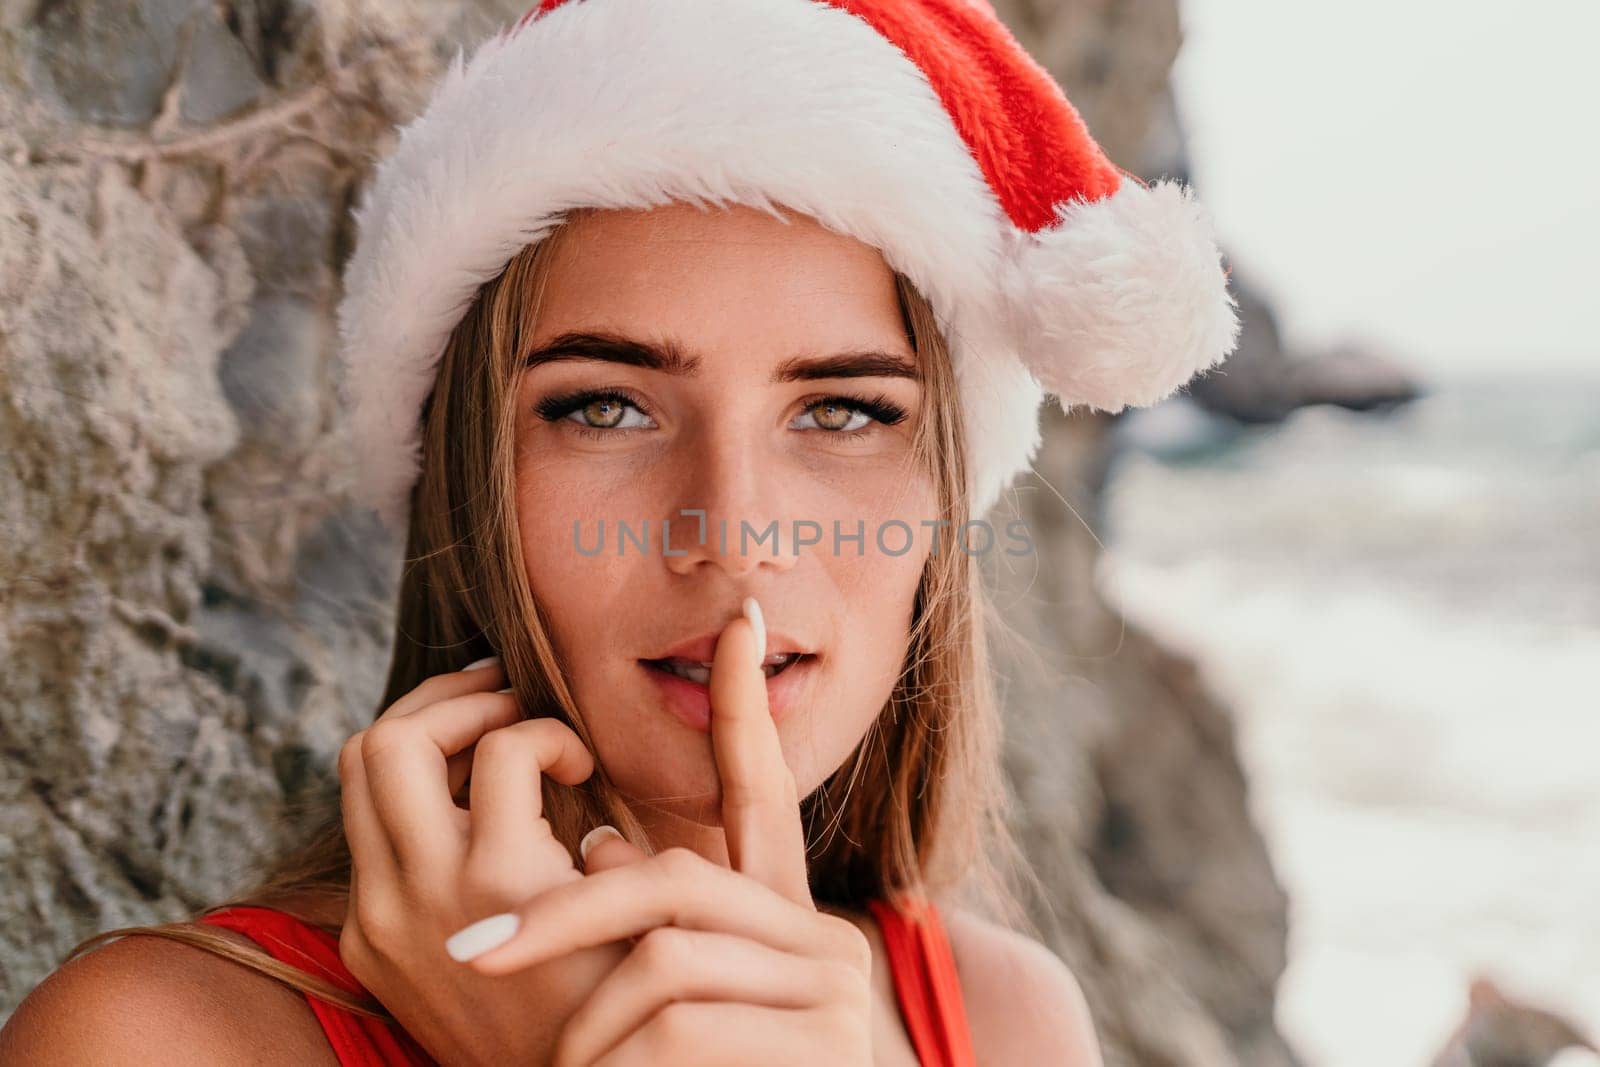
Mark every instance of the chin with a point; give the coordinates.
(680, 781)
(693, 792)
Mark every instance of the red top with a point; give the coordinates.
(356, 1039)
(919, 959)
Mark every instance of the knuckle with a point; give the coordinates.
(673, 1029)
(487, 879)
(494, 746)
(679, 864)
(384, 737)
(850, 945)
(354, 952)
(555, 727)
(741, 795)
(663, 950)
(845, 980)
(350, 754)
(565, 1053)
(762, 790)
(425, 690)
(377, 925)
(847, 1026)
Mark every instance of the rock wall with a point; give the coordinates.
(191, 618)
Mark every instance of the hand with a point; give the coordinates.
(731, 966)
(422, 866)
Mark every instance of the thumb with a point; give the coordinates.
(604, 848)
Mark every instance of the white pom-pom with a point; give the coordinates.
(1123, 300)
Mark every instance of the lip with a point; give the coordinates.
(703, 649)
(690, 702)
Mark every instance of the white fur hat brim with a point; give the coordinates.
(805, 108)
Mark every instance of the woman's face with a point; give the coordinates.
(757, 372)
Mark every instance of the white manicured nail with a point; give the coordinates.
(487, 661)
(593, 837)
(481, 936)
(752, 611)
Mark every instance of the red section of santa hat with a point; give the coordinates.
(1030, 142)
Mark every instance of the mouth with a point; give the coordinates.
(700, 673)
(684, 685)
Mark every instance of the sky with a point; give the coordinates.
(1421, 176)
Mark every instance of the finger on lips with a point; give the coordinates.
(760, 806)
(626, 894)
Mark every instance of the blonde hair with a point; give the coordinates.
(917, 808)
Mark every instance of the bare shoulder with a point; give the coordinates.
(1023, 1004)
(143, 999)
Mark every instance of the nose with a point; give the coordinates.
(729, 509)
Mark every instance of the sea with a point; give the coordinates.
(1402, 610)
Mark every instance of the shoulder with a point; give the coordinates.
(140, 998)
(1023, 1004)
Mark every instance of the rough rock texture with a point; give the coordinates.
(191, 619)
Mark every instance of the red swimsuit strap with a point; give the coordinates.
(357, 1040)
(926, 982)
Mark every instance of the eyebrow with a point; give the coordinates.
(669, 357)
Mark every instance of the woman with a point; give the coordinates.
(776, 287)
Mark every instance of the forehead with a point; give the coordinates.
(721, 279)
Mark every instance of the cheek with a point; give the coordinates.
(881, 526)
(580, 593)
(873, 585)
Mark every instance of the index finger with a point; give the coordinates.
(760, 802)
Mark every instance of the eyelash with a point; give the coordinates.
(555, 408)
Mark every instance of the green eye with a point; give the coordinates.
(848, 414)
(604, 413)
(595, 411)
(831, 415)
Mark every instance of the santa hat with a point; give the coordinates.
(920, 127)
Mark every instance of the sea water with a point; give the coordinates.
(1403, 612)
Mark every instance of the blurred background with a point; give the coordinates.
(1300, 725)
(1399, 605)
